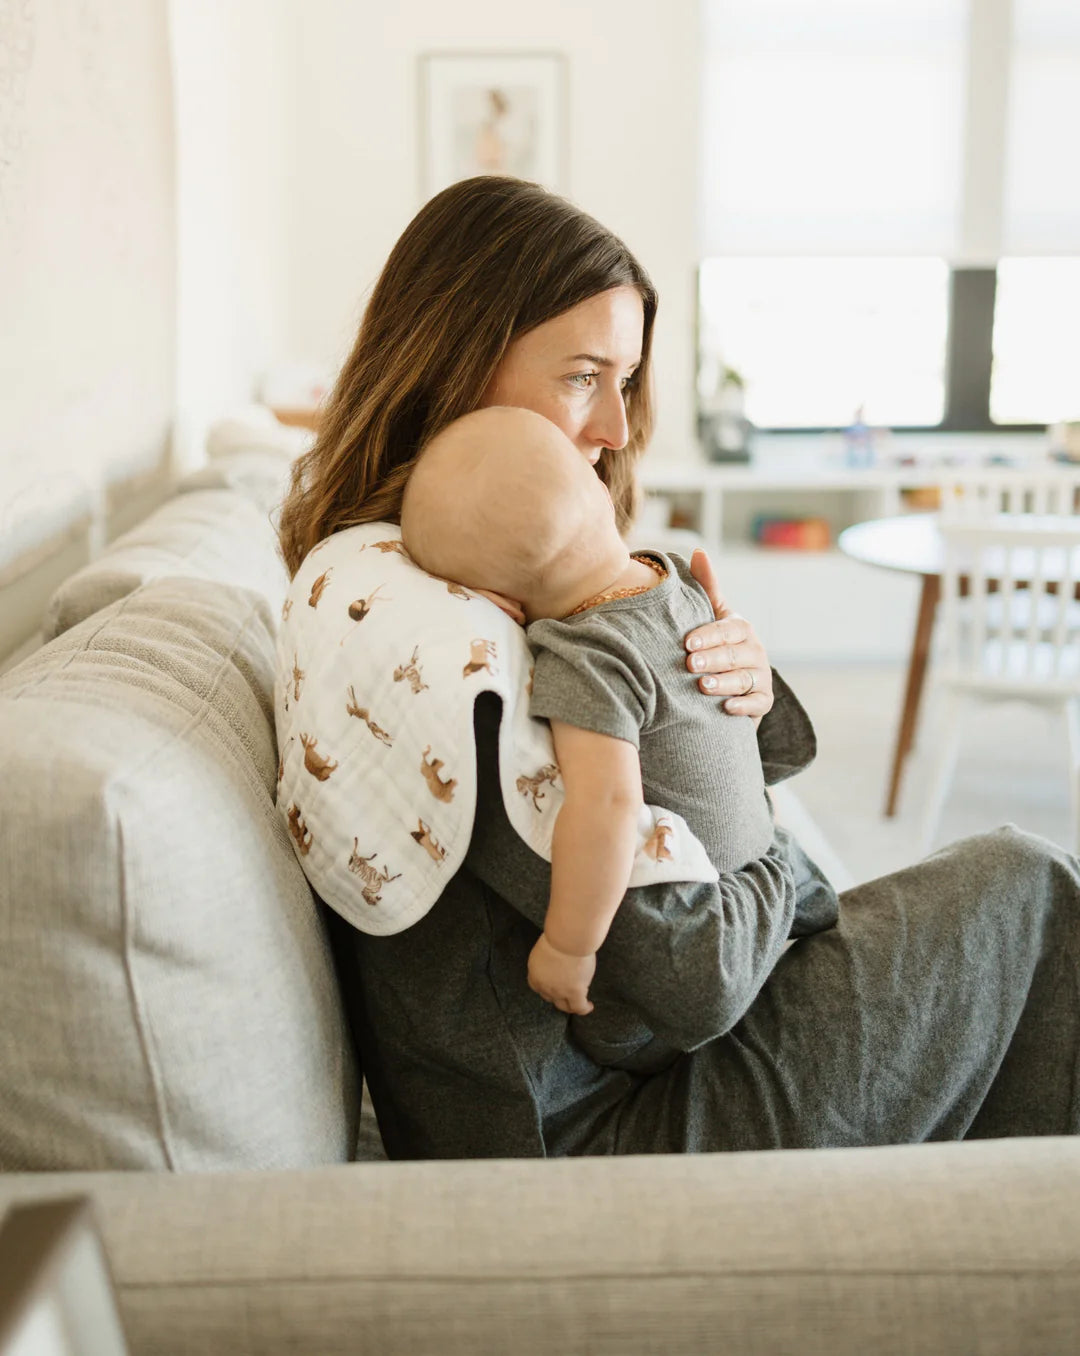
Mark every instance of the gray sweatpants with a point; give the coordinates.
(945, 1004)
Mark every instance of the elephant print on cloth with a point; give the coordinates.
(483, 654)
(319, 767)
(441, 790)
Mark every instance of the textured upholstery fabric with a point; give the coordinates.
(215, 534)
(825, 1253)
(167, 998)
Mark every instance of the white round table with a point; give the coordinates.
(911, 543)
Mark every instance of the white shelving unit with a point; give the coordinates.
(812, 605)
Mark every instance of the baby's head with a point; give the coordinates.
(501, 499)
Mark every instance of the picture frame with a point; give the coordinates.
(56, 1290)
(492, 113)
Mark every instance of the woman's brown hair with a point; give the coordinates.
(485, 261)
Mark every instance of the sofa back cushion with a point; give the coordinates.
(255, 473)
(167, 998)
(221, 534)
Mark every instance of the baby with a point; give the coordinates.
(501, 500)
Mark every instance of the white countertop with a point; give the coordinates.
(818, 460)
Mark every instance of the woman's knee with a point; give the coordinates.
(1023, 850)
(1028, 867)
(1006, 868)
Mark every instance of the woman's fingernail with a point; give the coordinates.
(698, 661)
(709, 682)
(695, 644)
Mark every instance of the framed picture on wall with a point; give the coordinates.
(492, 113)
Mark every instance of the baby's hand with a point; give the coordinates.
(560, 978)
(510, 606)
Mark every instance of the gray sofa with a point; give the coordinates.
(172, 1042)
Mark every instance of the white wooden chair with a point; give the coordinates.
(972, 495)
(1010, 631)
(985, 494)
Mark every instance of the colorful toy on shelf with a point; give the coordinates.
(792, 534)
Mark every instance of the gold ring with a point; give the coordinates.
(753, 681)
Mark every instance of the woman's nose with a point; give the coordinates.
(608, 426)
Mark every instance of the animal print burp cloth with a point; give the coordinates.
(379, 665)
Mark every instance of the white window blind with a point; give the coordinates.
(1036, 371)
(1042, 166)
(832, 127)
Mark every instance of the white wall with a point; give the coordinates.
(233, 73)
(633, 101)
(87, 285)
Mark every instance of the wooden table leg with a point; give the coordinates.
(920, 651)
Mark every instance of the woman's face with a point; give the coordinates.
(574, 370)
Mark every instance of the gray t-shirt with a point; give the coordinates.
(617, 669)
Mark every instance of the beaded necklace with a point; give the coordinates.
(609, 595)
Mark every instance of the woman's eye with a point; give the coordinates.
(585, 380)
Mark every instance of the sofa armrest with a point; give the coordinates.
(946, 1247)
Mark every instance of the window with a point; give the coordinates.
(891, 211)
(1041, 192)
(816, 340)
(1036, 368)
(833, 127)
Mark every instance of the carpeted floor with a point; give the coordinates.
(1013, 768)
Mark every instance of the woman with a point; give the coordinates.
(944, 1003)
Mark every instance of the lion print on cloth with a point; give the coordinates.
(379, 665)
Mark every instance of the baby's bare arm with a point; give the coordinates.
(592, 854)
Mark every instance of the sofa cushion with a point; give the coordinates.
(167, 998)
(251, 452)
(255, 427)
(924, 1250)
(218, 534)
(259, 474)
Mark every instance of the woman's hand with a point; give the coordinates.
(727, 653)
